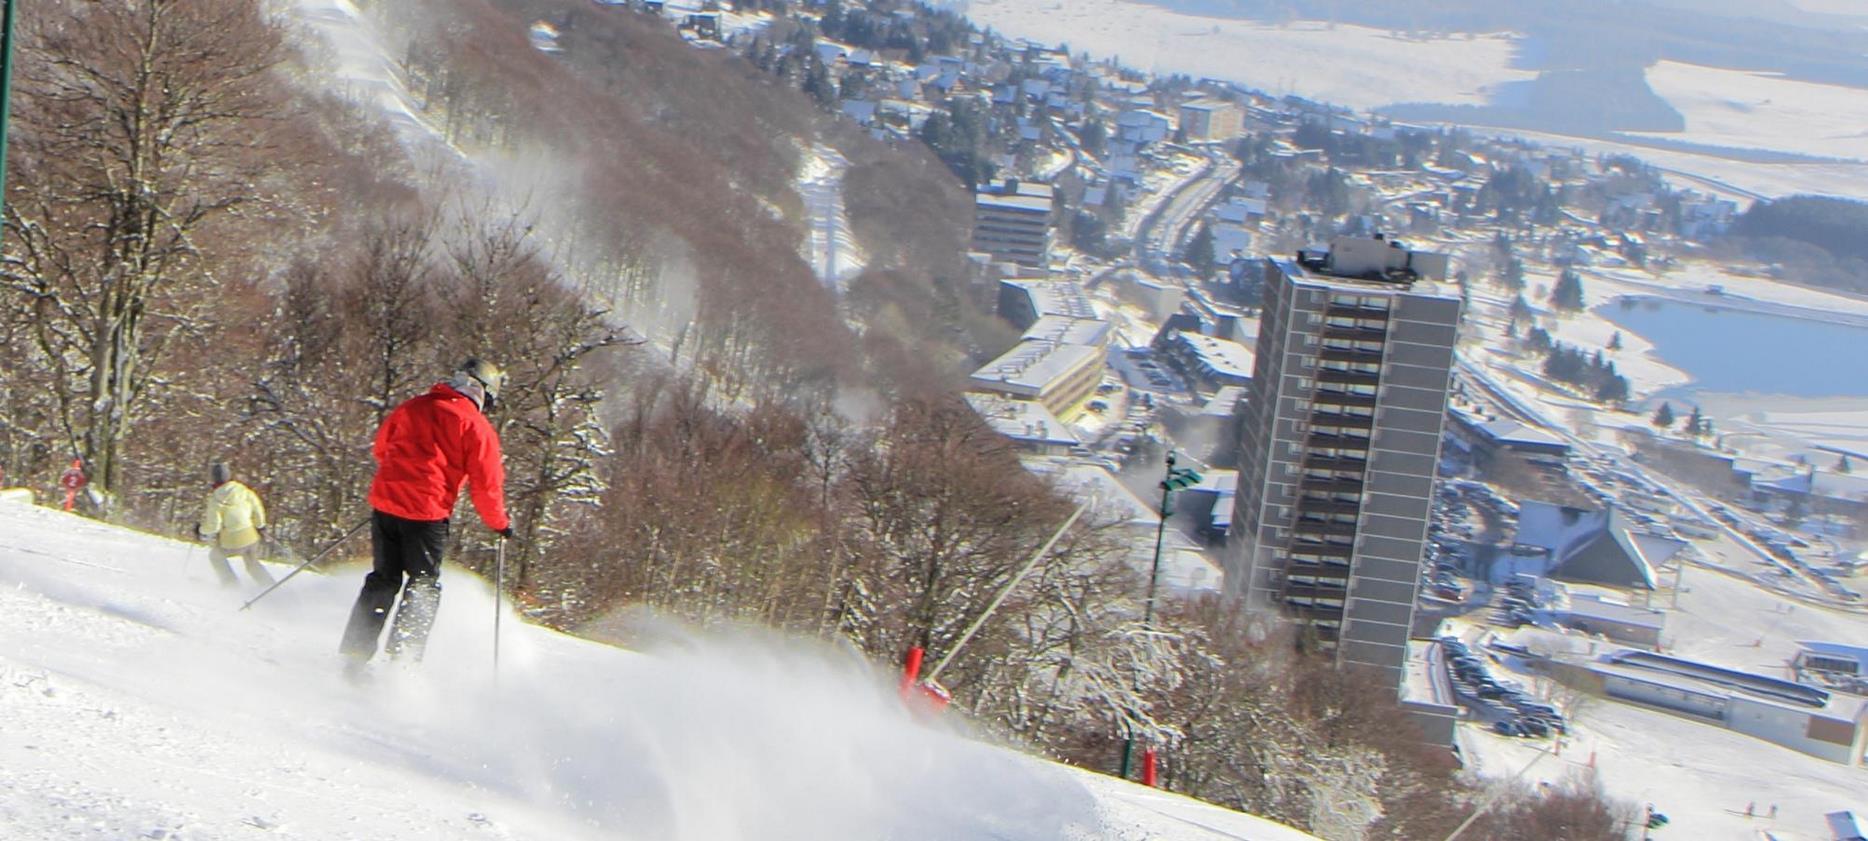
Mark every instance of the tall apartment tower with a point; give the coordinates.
(1340, 441)
(1012, 222)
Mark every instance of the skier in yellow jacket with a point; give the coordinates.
(234, 521)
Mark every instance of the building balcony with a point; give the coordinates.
(1334, 585)
(1327, 375)
(1326, 440)
(1319, 461)
(1325, 528)
(1308, 506)
(1322, 548)
(1339, 331)
(1332, 397)
(1342, 420)
(1354, 311)
(1314, 611)
(1333, 485)
(1349, 354)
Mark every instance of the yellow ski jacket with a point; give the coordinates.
(234, 514)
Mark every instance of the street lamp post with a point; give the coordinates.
(1174, 480)
(6, 88)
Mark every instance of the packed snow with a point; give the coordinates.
(1338, 63)
(138, 701)
(1753, 110)
(832, 248)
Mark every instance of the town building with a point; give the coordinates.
(1427, 693)
(1205, 120)
(1833, 665)
(1213, 363)
(1030, 427)
(1023, 301)
(1340, 439)
(1806, 719)
(1592, 545)
(1012, 221)
(1491, 441)
(1058, 376)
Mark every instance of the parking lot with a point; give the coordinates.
(1505, 706)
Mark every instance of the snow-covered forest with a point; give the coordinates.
(211, 252)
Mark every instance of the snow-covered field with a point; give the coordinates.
(1701, 776)
(1344, 64)
(137, 701)
(1763, 110)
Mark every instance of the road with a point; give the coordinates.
(1163, 229)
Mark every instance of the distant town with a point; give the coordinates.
(1383, 347)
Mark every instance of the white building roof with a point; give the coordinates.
(1030, 204)
(1224, 401)
(1064, 330)
(1031, 367)
(1838, 650)
(1587, 607)
(1223, 357)
(1051, 297)
(1022, 420)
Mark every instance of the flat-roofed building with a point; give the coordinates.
(1824, 724)
(1211, 119)
(1340, 440)
(1023, 301)
(1029, 425)
(1012, 221)
(1057, 376)
(1215, 363)
(1064, 330)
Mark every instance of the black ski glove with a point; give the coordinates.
(505, 533)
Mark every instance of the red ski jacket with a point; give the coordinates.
(427, 448)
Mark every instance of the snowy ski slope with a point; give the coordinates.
(136, 701)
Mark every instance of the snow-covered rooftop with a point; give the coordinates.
(1064, 330)
(1031, 367)
(1225, 358)
(1022, 420)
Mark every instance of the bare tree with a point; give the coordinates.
(142, 127)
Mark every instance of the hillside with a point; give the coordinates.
(136, 700)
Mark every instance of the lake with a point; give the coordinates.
(1730, 351)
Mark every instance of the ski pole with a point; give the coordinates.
(301, 567)
(499, 583)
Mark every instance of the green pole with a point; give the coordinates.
(1154, 578)
(6, 90)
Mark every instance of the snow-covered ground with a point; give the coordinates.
(1339, 63)
(1702, 776)
(1733, 178)
(138, 701)
(354, 60)
(832, 249)
(1754, 110)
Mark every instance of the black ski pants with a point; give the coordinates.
(407, 561)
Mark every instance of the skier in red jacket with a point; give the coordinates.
(425, 450)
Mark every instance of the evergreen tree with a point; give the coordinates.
(1511, 275)
(1663, 417)
(1199, 252)
(1842, 464)
(1615, 341)
(1520, 309)
(1696, 423)
(1567, 295)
